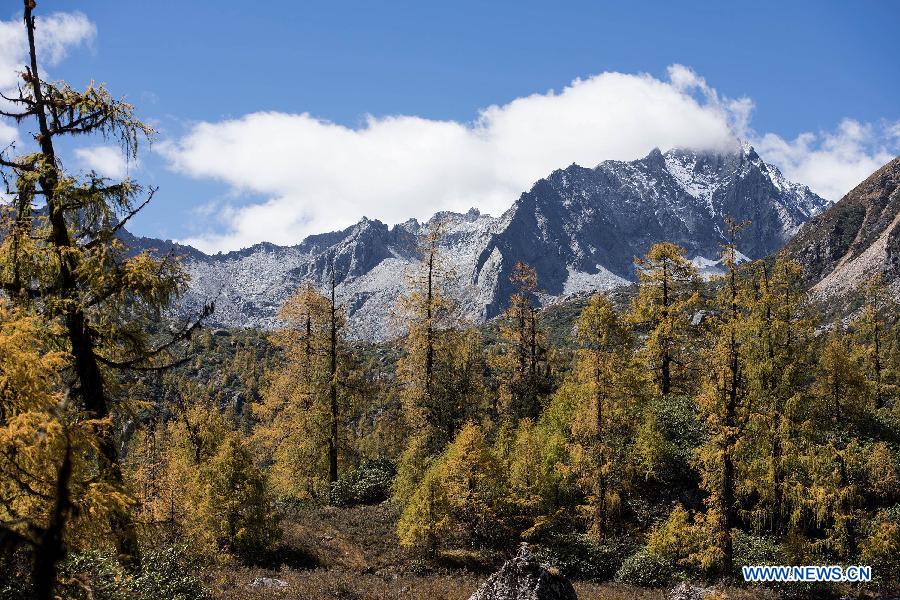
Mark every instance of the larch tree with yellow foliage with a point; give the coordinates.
(874, 333)
(441, 369)
(48, 488)
(66, 264)
(521, 358)
(608, 390)
(459, 499)
(666, 301)
(723, 405)
(780, 324)
(301, 414)
(836, 455)
(197, 479)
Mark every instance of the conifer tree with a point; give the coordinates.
(665, 303)
(66, 262)
(779, 325)
(835, 458)
(427, 311)
(196, 479)
(440, 371)
(873, 331)
(601, 427)
(300, 414)
(50, 495)
(231, 503)
(459, 498)
(521, 359)
(723, 403)
(524, 460)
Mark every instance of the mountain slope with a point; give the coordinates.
(857, 237)
(580, 228)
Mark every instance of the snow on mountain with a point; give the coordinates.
(580, 228)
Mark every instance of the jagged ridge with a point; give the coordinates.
(579, 227)
(859, 236)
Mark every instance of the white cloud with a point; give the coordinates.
(832, 163)
(894, 131)
(8, 135)
(55, 34)
(736, 111)
(320, 176)
(108, 161)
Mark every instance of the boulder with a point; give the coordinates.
(524, 578)
(685, 591)
(268, 582)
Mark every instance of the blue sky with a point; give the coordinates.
(196, 70)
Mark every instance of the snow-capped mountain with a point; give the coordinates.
(580, 228)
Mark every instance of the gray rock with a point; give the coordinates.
(699, 317)
(268, 582)
(524, 578)
(685, 591)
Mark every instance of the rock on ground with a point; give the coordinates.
(524, 578)
(685, 591)
(268, 582)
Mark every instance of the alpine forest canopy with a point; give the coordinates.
(676, 429)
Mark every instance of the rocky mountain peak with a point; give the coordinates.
(579, 227)
(655, 159)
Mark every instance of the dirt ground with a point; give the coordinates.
(353, 554)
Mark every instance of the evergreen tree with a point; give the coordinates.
(723, 402)
(608, 392)
(664, 306)
(67, 264)
(521, 360)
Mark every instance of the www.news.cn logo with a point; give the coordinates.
(806, 573)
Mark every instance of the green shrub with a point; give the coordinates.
(666, 439)
(646, 569)
(93, 575)
(370, 483)
(97, 576)
(580, 557)
(752, 549)
(15, 575)
(164, 575)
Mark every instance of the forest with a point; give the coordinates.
(677, 430)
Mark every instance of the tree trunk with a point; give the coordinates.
(332, 388)
(600, 509)
(730, 423)
(429, 326)
(50, 548)
(89, 386)
(665, 386)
